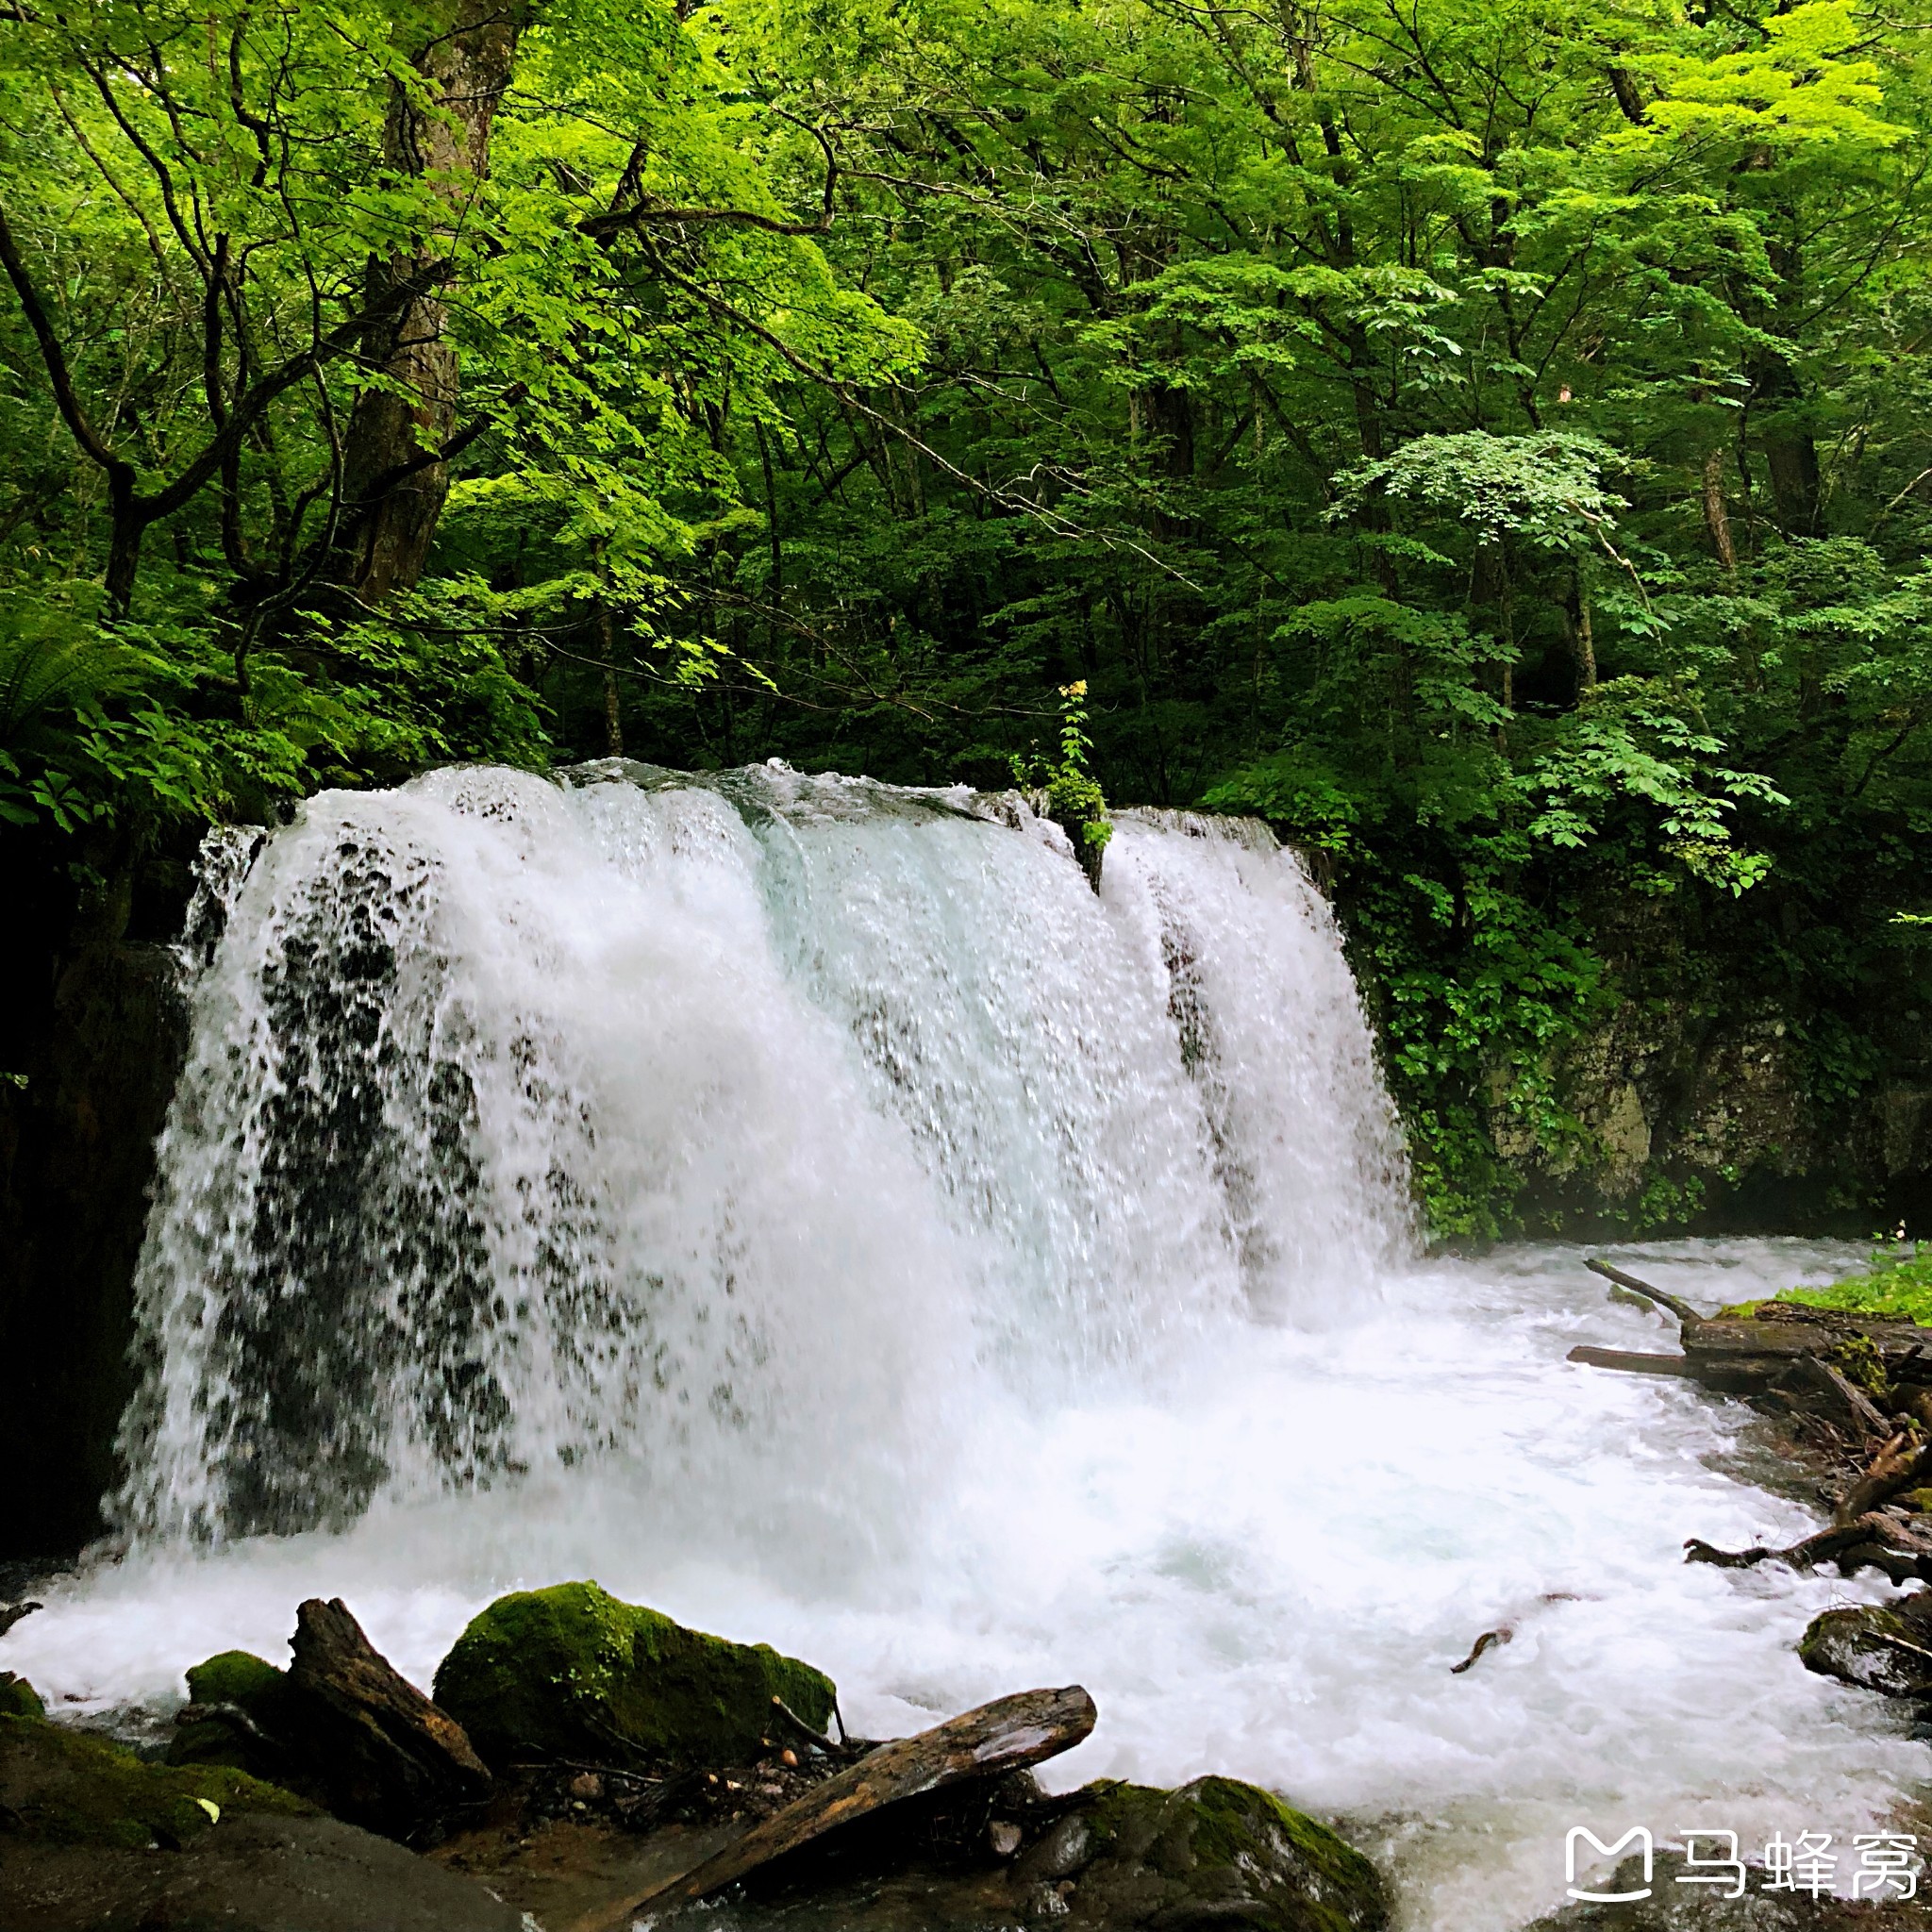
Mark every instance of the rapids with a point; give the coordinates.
(805, 1206)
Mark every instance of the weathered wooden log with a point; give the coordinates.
(1901, 1464)
(1633, 1362)
(383, 1755)
(1843, 1398)
(1870, 1542)
(1682, 1310)
(1006, 1735)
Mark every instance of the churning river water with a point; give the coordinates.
(806, 1208)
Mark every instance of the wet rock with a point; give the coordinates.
(570, 1671)
(18, 1698)
(1214, 1853)
(254, 1874)
(239, 1677)
(237, 1715)
(1861, 1645)
(1067, 1846)
(60, 1787)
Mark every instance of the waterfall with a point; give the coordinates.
(664, 1117)
(806, 1207)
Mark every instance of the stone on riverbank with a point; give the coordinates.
(1216, 1849)
(1862, 1643)
(242, 1701)
(570, 1671)
(65, 1787)
(90, 1837)
(18, 1698)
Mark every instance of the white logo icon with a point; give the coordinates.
(1638, 1835)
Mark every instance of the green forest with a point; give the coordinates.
(1491, 441)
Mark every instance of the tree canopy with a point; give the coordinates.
(1491, 440)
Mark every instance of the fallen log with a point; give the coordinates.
(1853, 1407)
(1682, 1310)
(1633, 1362)
(1870, 1542)
(1901, 1464)
(1007, 1735)
(383, 1755)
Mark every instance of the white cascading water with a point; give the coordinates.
(806, 1207)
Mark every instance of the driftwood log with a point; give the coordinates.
(1783, 1346)
(1874, 1542)
(384, 1755)
(1635, 1362)
(1007, 1735)
(1682, 1310)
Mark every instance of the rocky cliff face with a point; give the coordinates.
(1694, 1098)
(76, 1157)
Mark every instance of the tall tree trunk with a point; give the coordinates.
(1777, 396)
(394, 481)
(1582, 638)
(1717, 520)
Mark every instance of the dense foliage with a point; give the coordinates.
(1490, 439)
(1898, 1284)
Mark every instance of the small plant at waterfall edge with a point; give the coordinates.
(1075, 800)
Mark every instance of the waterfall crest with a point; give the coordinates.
(663, 1117)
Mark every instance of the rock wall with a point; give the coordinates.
(1693, 1097)
(76, 1159)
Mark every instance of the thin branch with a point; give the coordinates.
(59, 376)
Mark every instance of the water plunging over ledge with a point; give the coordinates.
(806, 1207)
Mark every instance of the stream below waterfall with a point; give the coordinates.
(807, 1209)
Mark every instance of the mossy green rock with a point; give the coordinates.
(249, 1684)
(18, 1698)
(1215, 1851)
(570, 1671)
(235, 1677)
(67, 1788)
(1853, 1644)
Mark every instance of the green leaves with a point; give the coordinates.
(1631, 740)
(1544, 488)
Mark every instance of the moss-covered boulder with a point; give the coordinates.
(570, 1671)
(235, 1677)
(1859, 1644)
(1215, 1851)
(237, 1711)
(18, 1698)
(63, 1787)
